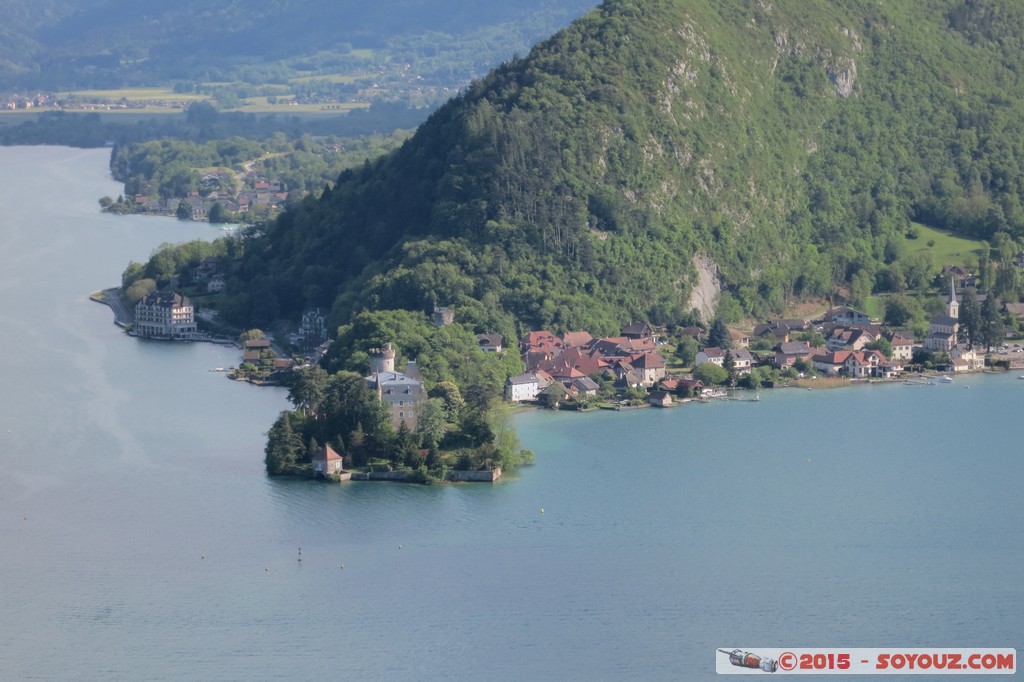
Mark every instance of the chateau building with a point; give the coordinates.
(401, 393)
(166, 315)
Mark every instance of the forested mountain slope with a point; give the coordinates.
(785, 145)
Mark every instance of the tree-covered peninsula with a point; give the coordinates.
(661, 156)
(785, 147)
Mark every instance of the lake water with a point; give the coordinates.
(141, 540)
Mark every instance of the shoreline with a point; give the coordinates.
(124, 317)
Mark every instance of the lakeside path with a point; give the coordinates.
(123, 315)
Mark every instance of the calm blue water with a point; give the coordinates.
(871, 516)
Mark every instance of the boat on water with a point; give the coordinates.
(946, 379)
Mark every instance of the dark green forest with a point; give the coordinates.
(790, 144)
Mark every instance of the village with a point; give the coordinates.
(221, 197)
(576, 369)
(638, 368)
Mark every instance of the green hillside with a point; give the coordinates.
(783, 148)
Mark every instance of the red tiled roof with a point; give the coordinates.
(581, 338)
(326, 454)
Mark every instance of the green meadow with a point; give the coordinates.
(946, 248)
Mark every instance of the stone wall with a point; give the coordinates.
(475, 476)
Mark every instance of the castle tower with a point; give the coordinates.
(952, 307)
(382, 359)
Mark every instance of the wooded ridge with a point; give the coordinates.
(786, 146)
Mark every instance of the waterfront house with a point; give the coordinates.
(585, 386)
(690, 387)
(831, 362)
(165, 315)
(554, 394)
(660, 398)
(522, 387)
(527, 386)
(856, 364)
(965, 358)
(742, 360)
(326, 461)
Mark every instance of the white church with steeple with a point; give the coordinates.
(943, 329)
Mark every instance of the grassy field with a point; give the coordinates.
(257, 105)
(132, 95)
(260, 105)
(875, 307)
(331, 78)
(946, 248)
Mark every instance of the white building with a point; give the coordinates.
(742, 360)
(165, 315)
(902, 346)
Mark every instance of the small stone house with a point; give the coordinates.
(326, 462)
(660, 398)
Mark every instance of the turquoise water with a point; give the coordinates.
(140, 539)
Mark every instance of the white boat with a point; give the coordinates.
(946, 379)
